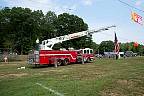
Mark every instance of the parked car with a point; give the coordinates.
(128, 53)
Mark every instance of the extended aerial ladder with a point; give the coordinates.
(49, 43)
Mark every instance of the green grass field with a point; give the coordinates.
(104, 77)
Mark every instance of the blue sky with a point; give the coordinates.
(96, 13)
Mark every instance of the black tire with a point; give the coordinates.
(36, 65)
(65, 61)
(59, 62)
(88, 60)
(79, 60)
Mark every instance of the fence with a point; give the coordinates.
(9, 54)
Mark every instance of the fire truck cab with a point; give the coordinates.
(87, 54)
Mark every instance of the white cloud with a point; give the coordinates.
(138, 3)
(44, 5)
(90, 2)
(87, 2)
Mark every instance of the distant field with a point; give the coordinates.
(104, 77)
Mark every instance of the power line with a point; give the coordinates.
(130, 5)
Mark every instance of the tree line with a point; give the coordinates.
(108, 46)
(20, 27)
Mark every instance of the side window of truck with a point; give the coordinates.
(87, 51)
(84, 51)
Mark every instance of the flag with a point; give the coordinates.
(117, 47)
(137, 18)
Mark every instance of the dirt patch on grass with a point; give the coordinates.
(18, 75)
(53, 71)
(13, 75)
(13, 63)
(124, 88)
(110, 92)
(122, 82)
(88, 76)
(62, 70)
(8, 64)
(127, 83)
(117, 89)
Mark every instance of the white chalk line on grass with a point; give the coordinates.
(51, 90)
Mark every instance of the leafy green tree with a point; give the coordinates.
(67, 24)
(35, 23)
(130, 47)
(5, 27)
(95, 47)
(49, 25)
(19, 25)
(106, 46)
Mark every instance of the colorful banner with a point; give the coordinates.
(137, 18)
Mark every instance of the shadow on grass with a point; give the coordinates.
(40, 66)
(52, 65)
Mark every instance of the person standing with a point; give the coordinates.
(5, 59)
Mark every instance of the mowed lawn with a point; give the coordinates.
(103, 77)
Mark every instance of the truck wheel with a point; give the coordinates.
(79, 60)
(59, 62)
(88, 60)
(65, 61)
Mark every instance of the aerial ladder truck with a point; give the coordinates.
(46, 55)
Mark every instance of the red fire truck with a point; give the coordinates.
(46, 55)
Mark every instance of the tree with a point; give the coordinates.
(67, 24)
(106, 46)
(20, 25)
(49, 25)
(5, 26)
(95, 47)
